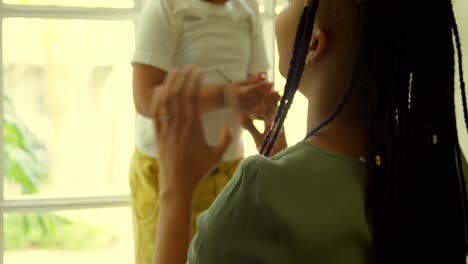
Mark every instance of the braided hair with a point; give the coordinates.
(404, 70)
(303, 37)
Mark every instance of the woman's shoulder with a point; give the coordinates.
(303, 164)
(288, 157)
(301, 155)
(292, 161)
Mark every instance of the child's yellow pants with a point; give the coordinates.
(144, 200)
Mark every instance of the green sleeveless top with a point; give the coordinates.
(305, 205)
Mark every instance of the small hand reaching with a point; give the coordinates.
(248, 96)
(265, 111)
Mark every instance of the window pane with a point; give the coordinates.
(68, 109)
(84, 236)
(75, 3)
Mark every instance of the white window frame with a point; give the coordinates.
(55, 12)
(54, 204)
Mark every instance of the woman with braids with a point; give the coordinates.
(378, 178)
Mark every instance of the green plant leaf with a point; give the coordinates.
(22, 167)
(25, 224)
(13, 136)
(50, 223)
(28, 182)
(41, 219)
(60, 220)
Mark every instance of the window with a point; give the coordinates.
(67, 130)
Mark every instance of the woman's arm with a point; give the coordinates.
(173, 236)
(186, 161)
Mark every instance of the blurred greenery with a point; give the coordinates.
(51, 231)
(24, 167)
(21, 150)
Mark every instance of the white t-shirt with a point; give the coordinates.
(225, 41)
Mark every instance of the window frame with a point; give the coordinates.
(55, 204)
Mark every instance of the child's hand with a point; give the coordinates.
(246, 96)
(267, 107)
(259, 137)
(185, 156)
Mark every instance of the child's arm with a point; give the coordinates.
(144, 79)
(258, 137)
(242, 96)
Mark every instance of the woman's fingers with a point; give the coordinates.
(162, 96)
(162, 102)
(169, 100)
(177, 92)
(192, 95)
(179, 83)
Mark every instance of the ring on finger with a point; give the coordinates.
(165, 117)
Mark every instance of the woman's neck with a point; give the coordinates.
(343, 135)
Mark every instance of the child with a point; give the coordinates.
(378, 178)
(225, 40)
